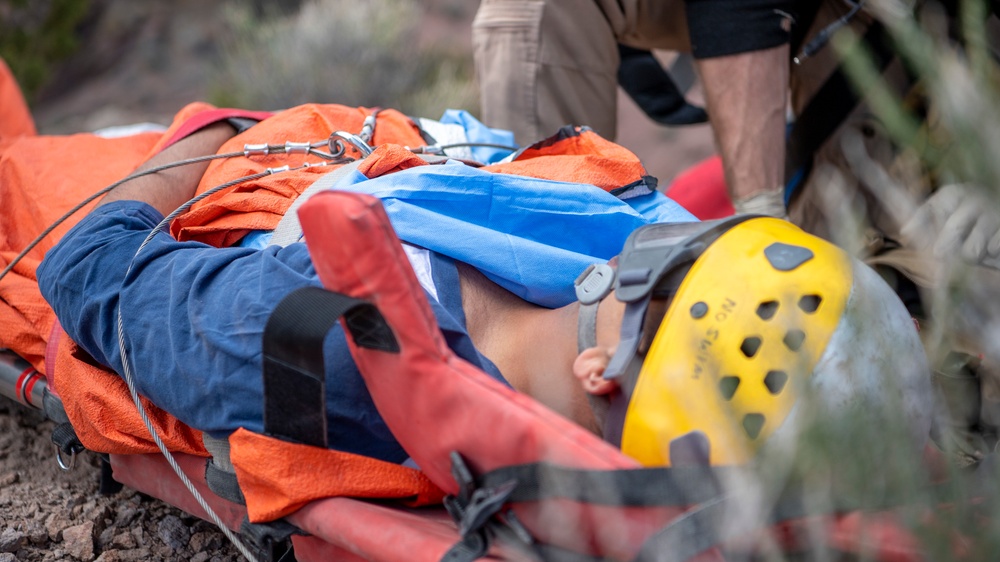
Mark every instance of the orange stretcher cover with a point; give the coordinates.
(44, 176)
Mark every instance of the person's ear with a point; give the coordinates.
(588, 368)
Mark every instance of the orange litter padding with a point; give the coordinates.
(42, 178)
(15, 120)
(582, 157)
(99, 406)
(276, 488)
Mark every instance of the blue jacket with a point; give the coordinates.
(194, 314)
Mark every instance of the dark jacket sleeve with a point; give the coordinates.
(728, 27)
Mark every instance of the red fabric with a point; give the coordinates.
(701, 189)
(206, 118)
(356, 252)
(345, 523)
(152, 475)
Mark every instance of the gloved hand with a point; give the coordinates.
(957, 218)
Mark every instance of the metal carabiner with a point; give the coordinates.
(62, 463)
(337, 147)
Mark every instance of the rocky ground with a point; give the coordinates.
(47, 514)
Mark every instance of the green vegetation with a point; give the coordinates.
(340, 51)
(34, 35)
(948, 123)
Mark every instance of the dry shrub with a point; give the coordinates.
(341, 51)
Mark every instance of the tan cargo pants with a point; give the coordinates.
(542, 64)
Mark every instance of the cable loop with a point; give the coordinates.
(354, 140)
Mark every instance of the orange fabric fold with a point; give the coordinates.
(101, 410)
(223, 218)
(44, 177)
(389, 158)
(585, 157)
(15, 119)
(294, 475)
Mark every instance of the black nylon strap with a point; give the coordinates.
(223, 483)
(64, 436)
(640, 487)
(108, 485)
(705, 526)
(701, 527)
(294, 367)
(468, 548)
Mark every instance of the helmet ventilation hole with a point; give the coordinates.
(809, 303)
(766, 310)
(793, 339)
(728, 386)
(750, 346)
(752, 424)
(775, 381)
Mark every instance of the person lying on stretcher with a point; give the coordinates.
(694, 345)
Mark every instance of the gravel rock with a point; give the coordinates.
(124, 541)
(206, 540)
(173, 532)
(36, 507)
(8, 478)
(11, 540)
(79, 541)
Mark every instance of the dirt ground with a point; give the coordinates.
(47, 514)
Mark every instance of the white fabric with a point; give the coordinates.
(420, 261)
(129, 130)
(448, 133)
(770, 203)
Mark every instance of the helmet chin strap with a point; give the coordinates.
(595, 283)
(592, 286)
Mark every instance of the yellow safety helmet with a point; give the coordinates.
(758, 309)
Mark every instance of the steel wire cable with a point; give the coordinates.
(55, 224)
